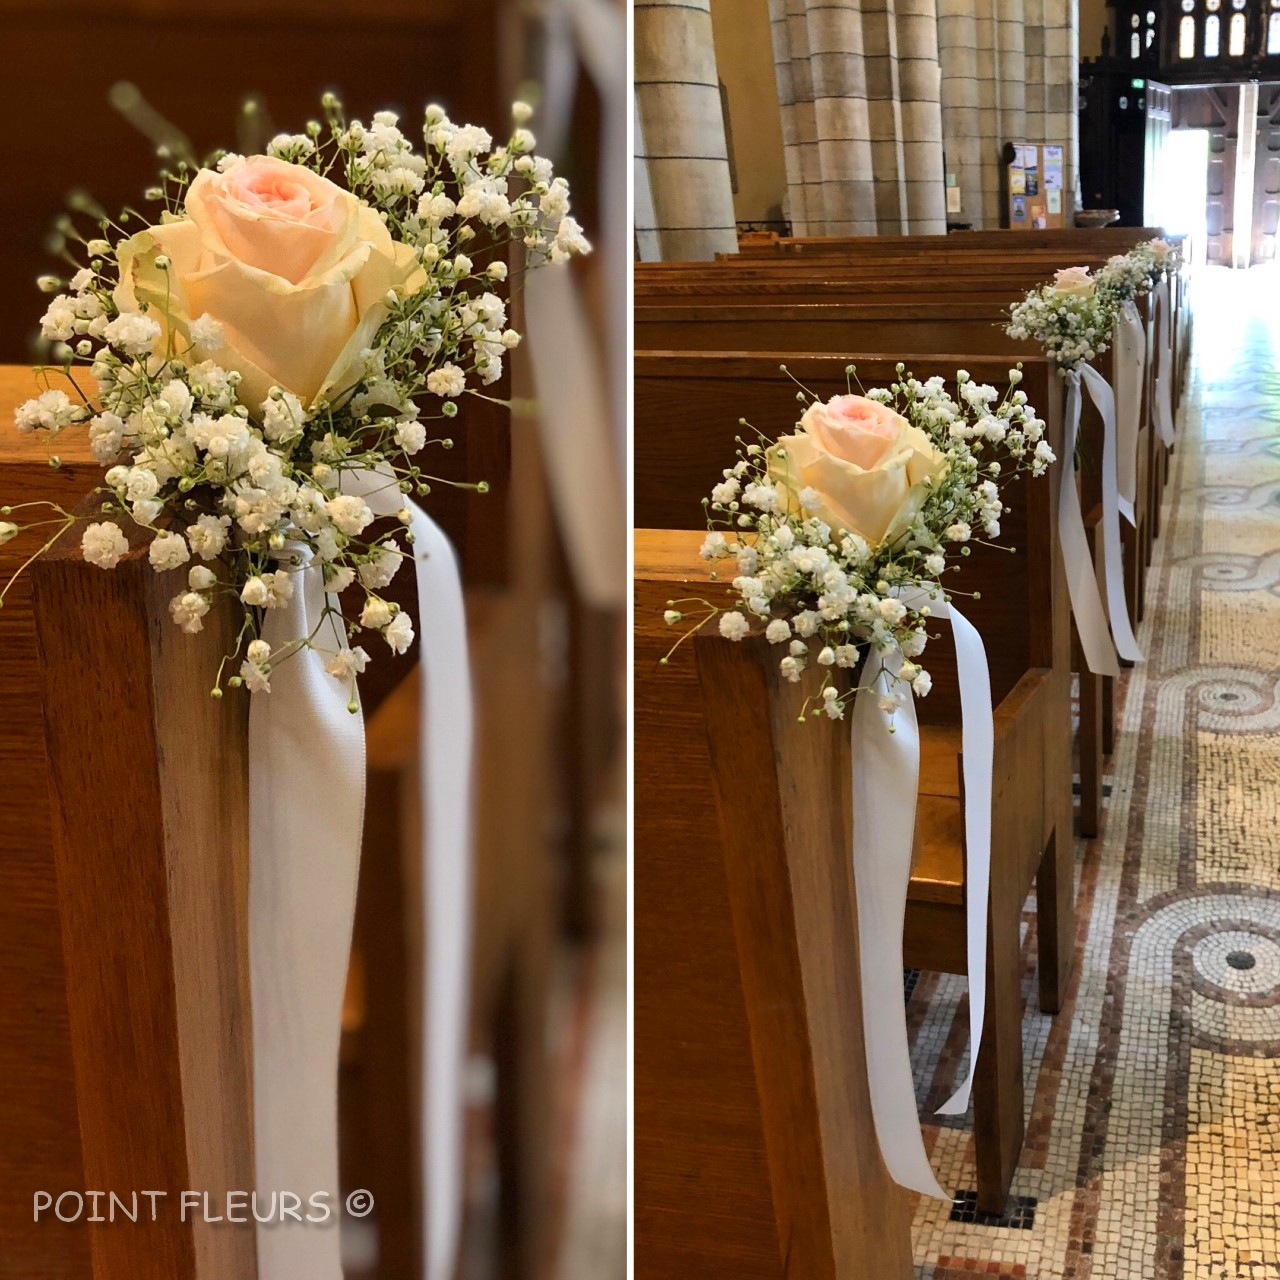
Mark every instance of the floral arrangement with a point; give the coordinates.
(1070, 318)
(1158, 256)
(283, 321)
(837, 533)
(1125, 278)
(1073, 318)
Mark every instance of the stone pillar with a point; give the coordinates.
(848, 132)
(920, 92)
(645, 221)
(1011, 69)
(858, 83)
(787, 24)
(964, 123)
(680, 117)
(1062, 86)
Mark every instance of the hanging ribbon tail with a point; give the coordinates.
(1130, 367)
(886, 771)
(1164, 385)
(1112, 551)
(1082, 579)
(446, 732)
(306, 810)
(978, 743)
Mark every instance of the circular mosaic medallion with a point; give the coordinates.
(1238, 962)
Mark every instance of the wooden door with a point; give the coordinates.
(1215, 109)
(1266, 180)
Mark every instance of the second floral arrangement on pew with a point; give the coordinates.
(840, 533)
(1073, 317)
(269, 354)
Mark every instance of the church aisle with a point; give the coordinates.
(1153, 1132)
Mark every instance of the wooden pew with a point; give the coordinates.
(687, 413)
(1118, 239)
(934, 325)
(756, 1157)
(61, 1047)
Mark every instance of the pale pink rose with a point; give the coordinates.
(295, 269)
(1075, 281)
(853, 428)
(867, 464)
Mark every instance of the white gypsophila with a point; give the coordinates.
(346, 664)
(247, 483)
(168, 551)
(411, 436)
(104, 544)
(206, 333)
(49, 411)
(188, 610)
(381, 567)
(1073, 329)
(448, 380)
(349, 514)
(132, 334)
(827, 595)
(399, 633)
(377, 613)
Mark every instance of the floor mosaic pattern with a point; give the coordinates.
(1153, 1129)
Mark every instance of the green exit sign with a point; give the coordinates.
(1139, 84)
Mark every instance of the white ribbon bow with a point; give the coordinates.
(1130, 366)
(886, 771)
(306, 808)
(1164, 382)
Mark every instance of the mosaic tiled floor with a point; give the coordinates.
(1153, 1133)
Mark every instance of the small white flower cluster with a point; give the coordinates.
(1158, 257)
(1125, 277)
(229, 491)
(828, 595)
(1072, 328)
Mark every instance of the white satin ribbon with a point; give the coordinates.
(1130, 364)
(886, 773)
(1082, 578)
(306, 809)
(1112, 553)
(581, 382)
(1164, 358)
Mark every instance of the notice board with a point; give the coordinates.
(1035, 195)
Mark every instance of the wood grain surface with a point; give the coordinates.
(39, 1123)
(752, 1150)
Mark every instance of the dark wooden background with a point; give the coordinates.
(195, 65)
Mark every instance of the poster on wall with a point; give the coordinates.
(1034, 185)
(1053, 168)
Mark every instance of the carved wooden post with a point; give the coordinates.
(751, 1108)
(149, 787)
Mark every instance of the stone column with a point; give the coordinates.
(679, 114)
(645, 221)
(858, 82)
(789, 28)
(1062, 85)
(920, 92)
(965, 140)
(847, 131)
